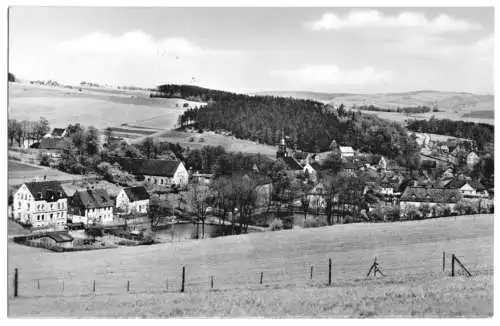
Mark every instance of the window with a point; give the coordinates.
(161, 181)
(51, 206)
(37, 206)
(58, 205)
(28, 206)
(38, 218)
(51, 216)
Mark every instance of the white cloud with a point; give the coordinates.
(333, 75)
(135, 43)
(375, 19)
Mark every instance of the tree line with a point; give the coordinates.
(480, 133)
(406, 109)
(25, 130)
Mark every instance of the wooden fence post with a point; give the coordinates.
(453, 265)
(93, 286)
(38, 284)
(211, 282)
(312, 269)
(329, 271)
(183, 277)
(128, 285)
(444, 261)
(16, 281)
(261, 277)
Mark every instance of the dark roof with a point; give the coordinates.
(456, 184)
(57, 132)
(58, 236)
(92, 198)
(434, 195)
(292, 163)
(46, 190)
(163, 168)
(136, 193)
(53, 143)
(352, 164)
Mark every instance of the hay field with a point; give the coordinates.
(18, 173)
(100, 108)
(409, 253)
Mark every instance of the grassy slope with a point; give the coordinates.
(18, 173)
(410, 254)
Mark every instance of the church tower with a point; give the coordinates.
(282, 152)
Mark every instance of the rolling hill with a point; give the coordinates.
(454, 105)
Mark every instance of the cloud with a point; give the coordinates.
(356, 19)
(136, 43)
(333, 75)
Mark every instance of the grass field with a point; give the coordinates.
(409, 253)
(18, 173)
(230, 143)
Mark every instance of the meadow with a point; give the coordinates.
(409, 254)
(19, 172)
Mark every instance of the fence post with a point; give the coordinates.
(211, 282)
(312, 269)
(453, 265)
(261, 277)
(183, 277)
(128, 285)
(444, 261)
(93, 286)
(329, 271)
(38, 284)
(16, 281)
(63, 285)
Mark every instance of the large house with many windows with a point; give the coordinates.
(41, 204)
(91, 206)
(156, 172)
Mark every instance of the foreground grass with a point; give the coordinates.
(410, 255)
(431, 295)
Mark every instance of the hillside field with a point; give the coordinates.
(409, 254)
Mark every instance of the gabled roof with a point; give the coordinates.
(433, 195)
(136, 193)
(291, 163)
(456, 184)
(163, 168)
(58, 132)
(46, 190)
(53, 143)
(92, 198)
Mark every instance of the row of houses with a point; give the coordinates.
(46, 203)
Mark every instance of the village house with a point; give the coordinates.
(91, 206)
(435, 198)
(203, 178)
(43, 204)
(133, 198)
(165, 173)
(57, 133)
(53, 148)
(468, 189)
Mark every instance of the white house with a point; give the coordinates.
(467, 190)
(43, 204)
(415, 197)
(136, 198)
(346, 151)
(92, 206)
(157, 172)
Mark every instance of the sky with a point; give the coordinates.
(355, 50)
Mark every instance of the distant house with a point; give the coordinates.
(91, 206)
(203, 178)
(472, 160)
(317, 197)
(53, 148)
(136, 198)
(156, 172)
(346, 151)
(42, 204)
(350, 167)
(418, 196)
(468, 189)
(57, 133)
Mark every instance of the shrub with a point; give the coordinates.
(314, 223)
(276, 225)
(44, 160)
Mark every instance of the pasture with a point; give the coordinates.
(230, 143)
(18, 173)
(409, 253)
(98, 108)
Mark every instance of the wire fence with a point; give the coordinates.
(197, 278)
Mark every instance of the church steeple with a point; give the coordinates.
(282, 152)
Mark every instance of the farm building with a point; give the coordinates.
(57, 133)
(133, 198)
(468, 189)
(42, 204)
(157, 172)
(91, 206)
(202, 178)
(416, 197)
(54, 239)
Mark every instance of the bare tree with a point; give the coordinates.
(200, 203)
